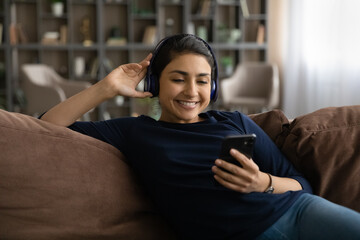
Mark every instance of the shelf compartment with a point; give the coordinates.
(84, 23)
(115, 27)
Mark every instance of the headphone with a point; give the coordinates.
(152, 81)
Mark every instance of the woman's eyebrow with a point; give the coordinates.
(203, 74)
(186, 73)
(180, 72)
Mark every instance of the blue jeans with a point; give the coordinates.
(312, 217)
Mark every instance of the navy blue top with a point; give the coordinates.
(174, 163)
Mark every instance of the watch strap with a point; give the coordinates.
(270, 189)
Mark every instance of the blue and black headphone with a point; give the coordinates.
(152, 81)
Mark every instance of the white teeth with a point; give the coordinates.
(187, 103)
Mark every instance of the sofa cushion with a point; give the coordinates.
(325, 147)
(59, 184)
(274, 123)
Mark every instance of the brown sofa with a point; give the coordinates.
(59, 184)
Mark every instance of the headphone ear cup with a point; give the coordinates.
(151, 83)
(154, 85)
(213, 89)
(147, 81)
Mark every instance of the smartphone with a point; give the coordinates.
(243, 143)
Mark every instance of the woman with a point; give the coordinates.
(176, 157)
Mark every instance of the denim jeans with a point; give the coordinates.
(312, 217)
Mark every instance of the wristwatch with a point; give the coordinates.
(270, 189)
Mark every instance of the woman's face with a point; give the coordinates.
(185, 85)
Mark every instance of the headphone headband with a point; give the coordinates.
(152, 81)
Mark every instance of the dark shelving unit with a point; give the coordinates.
(215, 20)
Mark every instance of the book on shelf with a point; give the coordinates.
(150, 35)
(205, 7)
(50, 38)
(63, 34)
(107, 64)
(94, 69)
(13, 34)
(260, 37)
(244, 8)
(23, 38)
(191, 28)
(116, 41)
(17, 34)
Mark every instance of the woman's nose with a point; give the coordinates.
(190, 89)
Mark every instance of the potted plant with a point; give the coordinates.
(146, 106)
(57, 7)
(227, 63)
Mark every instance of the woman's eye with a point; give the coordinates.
(177, 80)
(203, 82)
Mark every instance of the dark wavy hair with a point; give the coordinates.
(171, 47)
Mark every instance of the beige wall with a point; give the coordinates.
(276, 39)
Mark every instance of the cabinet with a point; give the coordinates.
(103, 34)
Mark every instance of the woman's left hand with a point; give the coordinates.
(245, 179)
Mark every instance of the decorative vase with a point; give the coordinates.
(79, 66)
(57, 9)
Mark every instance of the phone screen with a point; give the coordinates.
(243, 143)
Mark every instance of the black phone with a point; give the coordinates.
(243, 143)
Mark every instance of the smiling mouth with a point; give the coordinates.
(187, 104)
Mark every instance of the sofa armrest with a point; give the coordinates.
(324, 146)
(59, 184)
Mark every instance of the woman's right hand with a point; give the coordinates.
(124, 79)
(121, 81)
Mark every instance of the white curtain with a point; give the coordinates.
(322, 56)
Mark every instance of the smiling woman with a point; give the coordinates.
(176, 157)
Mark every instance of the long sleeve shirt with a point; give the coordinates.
(174, 163)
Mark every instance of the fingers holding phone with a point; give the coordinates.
(242, 143)
(234, 169)
(242, 160)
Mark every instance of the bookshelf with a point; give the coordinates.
(106, 33)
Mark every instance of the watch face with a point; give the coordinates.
(270, 190)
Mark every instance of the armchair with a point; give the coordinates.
(44, 87)
(254, 87)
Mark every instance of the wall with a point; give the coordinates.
(277, 23)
